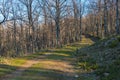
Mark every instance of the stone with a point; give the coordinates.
(106, 74)
(76, 76)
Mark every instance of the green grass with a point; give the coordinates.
(113, 44)
(37, 70)
(86, 78)
(112, 69)
(39, 74)
(6, 69)
(118, 38)
(10, 65)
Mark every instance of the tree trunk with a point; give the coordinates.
(105, 18)
(117, 18)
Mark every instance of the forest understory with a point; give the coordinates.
(60, 39)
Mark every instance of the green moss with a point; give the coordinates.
(118, 38)
(6, 69)
(86, 78)
(113, 70)
(86, 62)
(113, 44)
(17, 62)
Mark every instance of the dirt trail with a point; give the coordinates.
(64, 67)
(56, 64)
(20, 70)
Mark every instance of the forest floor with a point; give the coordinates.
(53, 64)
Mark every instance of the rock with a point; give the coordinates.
(106, 74)
(76, 76)
(118, 50)
(101, 59)
(97, 78)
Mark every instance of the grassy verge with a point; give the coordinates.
(8, 65)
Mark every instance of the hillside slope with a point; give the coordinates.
(100, 61)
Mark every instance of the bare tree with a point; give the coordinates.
(30, 37)
(105, 18)
(56, 9)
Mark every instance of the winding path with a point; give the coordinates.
(55, 66)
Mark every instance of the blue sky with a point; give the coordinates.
(16, 1)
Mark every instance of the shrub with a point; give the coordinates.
(112, 69)
(113, 44)
(118, 38)
(87, 63)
